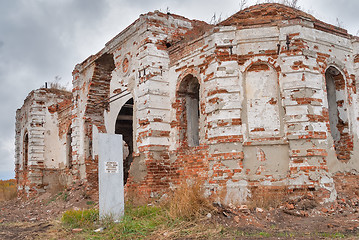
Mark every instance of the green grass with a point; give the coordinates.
(264, 234)
(140, 221)
(155, 222)
(331, 235)
(65, 197)
(80, 218)
(54, 198)
(137, 223)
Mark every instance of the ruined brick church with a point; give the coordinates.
(266, 97)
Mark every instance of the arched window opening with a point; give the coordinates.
(26, 151)
(337, 113)
(262, 102)
(188, 93)
(69, 148)
(124, 126)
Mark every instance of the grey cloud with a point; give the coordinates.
(7, 152)
(38, 41)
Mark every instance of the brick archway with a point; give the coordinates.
(124, 126)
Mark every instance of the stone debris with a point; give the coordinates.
(259, 210)
(77, 230)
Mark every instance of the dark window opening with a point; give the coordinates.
(69, 148)
(124, 126)
(26, 151)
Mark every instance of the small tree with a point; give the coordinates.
(339, 23)
(291, 3)
(215, 20)
(242, 4)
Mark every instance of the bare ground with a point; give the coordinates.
(31, 218)
(302, 218)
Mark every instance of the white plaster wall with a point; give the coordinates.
(55, 148)
(261, 89)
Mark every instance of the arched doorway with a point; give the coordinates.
(337, 113)
(124, 126)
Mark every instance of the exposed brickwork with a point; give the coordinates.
(36, 118)
(272, 14)
(259, 113)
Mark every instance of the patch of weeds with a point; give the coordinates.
(53, 198)
(285, 234)
(338, 235)
(273, 226)
(137, 223)
(264, 234)
(142, 220)
(241, 233)
(89, 203)
(65, 196)
(80, 218)
(331, 235)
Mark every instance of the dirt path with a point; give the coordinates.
(23, 230)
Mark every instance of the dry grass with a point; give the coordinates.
(179, 216)
(7, 190)
(188, 202)
(267, 197)
(135, 197)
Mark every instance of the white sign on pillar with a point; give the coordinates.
(110, 171)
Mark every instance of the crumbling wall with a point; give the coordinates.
(262, 103)
(152, 170)
(141, 66)
(38, 120)
(265, 98)
(22, 125)
(81, 84)
(93, 109)
(292, 146)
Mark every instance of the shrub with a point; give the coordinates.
(8, 190)
(188, 202)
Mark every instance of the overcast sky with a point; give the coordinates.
(44, 39)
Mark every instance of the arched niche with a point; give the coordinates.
(338, 114)
(189, 97)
